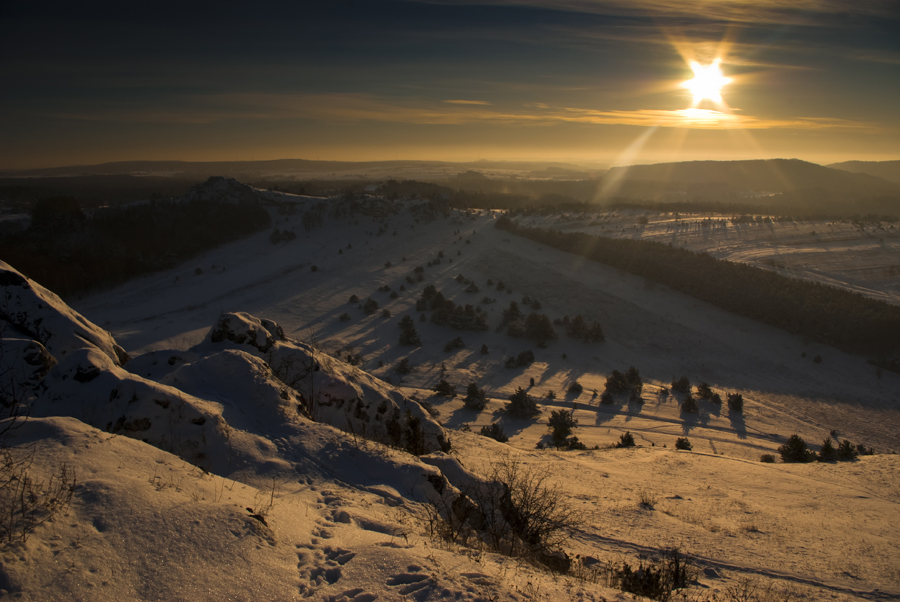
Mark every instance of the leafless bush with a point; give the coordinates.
(516, 510)
(658, 579)
(26, 502)
(747, 589)
(646, 499)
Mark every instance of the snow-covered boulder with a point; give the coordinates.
(244, 384)
(332, 391)
(41, 315)
(243, 329)
(90, 387)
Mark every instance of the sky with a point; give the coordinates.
(592, 82)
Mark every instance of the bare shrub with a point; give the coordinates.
(646, 499)
(527, 514)
(26, 502)
(748, 589)
(658, 579)
(516, 511)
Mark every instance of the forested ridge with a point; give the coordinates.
(71, 253)
(830, 315)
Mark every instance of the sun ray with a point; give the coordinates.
(611, 185)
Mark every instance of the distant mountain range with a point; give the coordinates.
(801, 186)
(309, 169)
(772, 175)
(887, 170)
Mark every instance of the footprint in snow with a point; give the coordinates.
(352, 595)
(321, 567)
(410, 583)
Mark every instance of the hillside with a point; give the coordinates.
(216, 367)
(749, 177)
(886, 170)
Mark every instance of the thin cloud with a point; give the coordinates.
(798, 12)
(361, 108)
(467, 102)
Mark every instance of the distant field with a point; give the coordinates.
(860, 257)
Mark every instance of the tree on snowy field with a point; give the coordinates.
(445, 388)
(475, 397)
(561, 424)
(794, 450)
(521, 405)
(690, 404)
(538, 328)
(408, 333)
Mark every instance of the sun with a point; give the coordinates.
(707, 83)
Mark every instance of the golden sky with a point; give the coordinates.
(586, 81)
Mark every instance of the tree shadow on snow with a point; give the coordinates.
(702, 418)
(633, 408)
(513, 426)
(461, 416)
(606, 412)
(714, 409)
(689, 420)
(738, 424)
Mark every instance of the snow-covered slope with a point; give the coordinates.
(234, 349)
(235, 469)
(144, 525)
(36, 313)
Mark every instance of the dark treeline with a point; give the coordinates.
(830, 315)
(469, 199)
(413, 189)
(71, 253)
(548, 196)
(92, 191)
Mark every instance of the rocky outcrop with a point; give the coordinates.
(330, 390)
(39, 314)
(243, 329)
(223, 190)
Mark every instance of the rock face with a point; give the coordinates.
(329, 390)
(38, 314)
(89, 387)
(243, 329)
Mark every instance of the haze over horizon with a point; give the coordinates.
(589, 82)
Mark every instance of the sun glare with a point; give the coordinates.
(707, 83)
